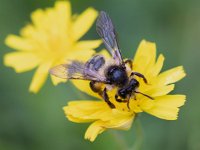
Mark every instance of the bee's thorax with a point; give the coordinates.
(117, 75)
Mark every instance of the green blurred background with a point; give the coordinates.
(37, 122)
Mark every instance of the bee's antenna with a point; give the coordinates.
(145, 95)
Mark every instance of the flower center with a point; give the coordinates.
(55, 47)
(131, 105)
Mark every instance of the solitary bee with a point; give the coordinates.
(98, 70)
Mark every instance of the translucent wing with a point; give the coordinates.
(106, 31)
(76, 70)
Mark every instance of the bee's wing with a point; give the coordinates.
(76, 70)
(106, 31)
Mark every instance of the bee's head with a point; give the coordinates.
(117, 75)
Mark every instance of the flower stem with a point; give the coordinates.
(138, 140)
(139, 136)
(120, 140)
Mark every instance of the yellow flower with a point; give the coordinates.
(51, 39)
(163, 106)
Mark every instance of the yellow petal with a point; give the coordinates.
(145, 57)
(78, 120)
(90, 44)
(39, 19)
(62, 14)
(158, 65)
(100, 112)
(146, 104)
(39, 39)
(159, 91)
(21, 61)
(27, 31)
(63, 9)
(171, 100)
(39, 77)
(87, 111)
(163, 112)
(18, 43)
(80, 55)
(94, 110)
(83, 23)
(105, 53)
(55, 80)
(121, 120)
(94, 129)
(171, 76)
(166, 107)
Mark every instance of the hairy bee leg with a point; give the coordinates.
(130, 62)
(128, 104)
(128, 101)
(106, 98)
(144, 95)
(94, 88)
(139, 75)
(103, 93)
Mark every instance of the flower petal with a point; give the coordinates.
(88, 111)
(94, 110)
(122, 123)
(171, 100)
(121, 120)
(21, 61)
(55, 80)
(145, 57)
(159, 91)
(39, 77)
(63, 14)
(157, 66)
(94, 129)
(18, 43)
(83, 22)
(80, 55)
(171, 76)
(166, 107)
(90, 44)
(39, 19)
(105, 53)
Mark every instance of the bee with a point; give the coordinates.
(111, 72)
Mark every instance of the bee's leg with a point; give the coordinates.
(139, 75)
(106, 98)
(95, 87)
(129, 61)
(144, 95)
(128, 101)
